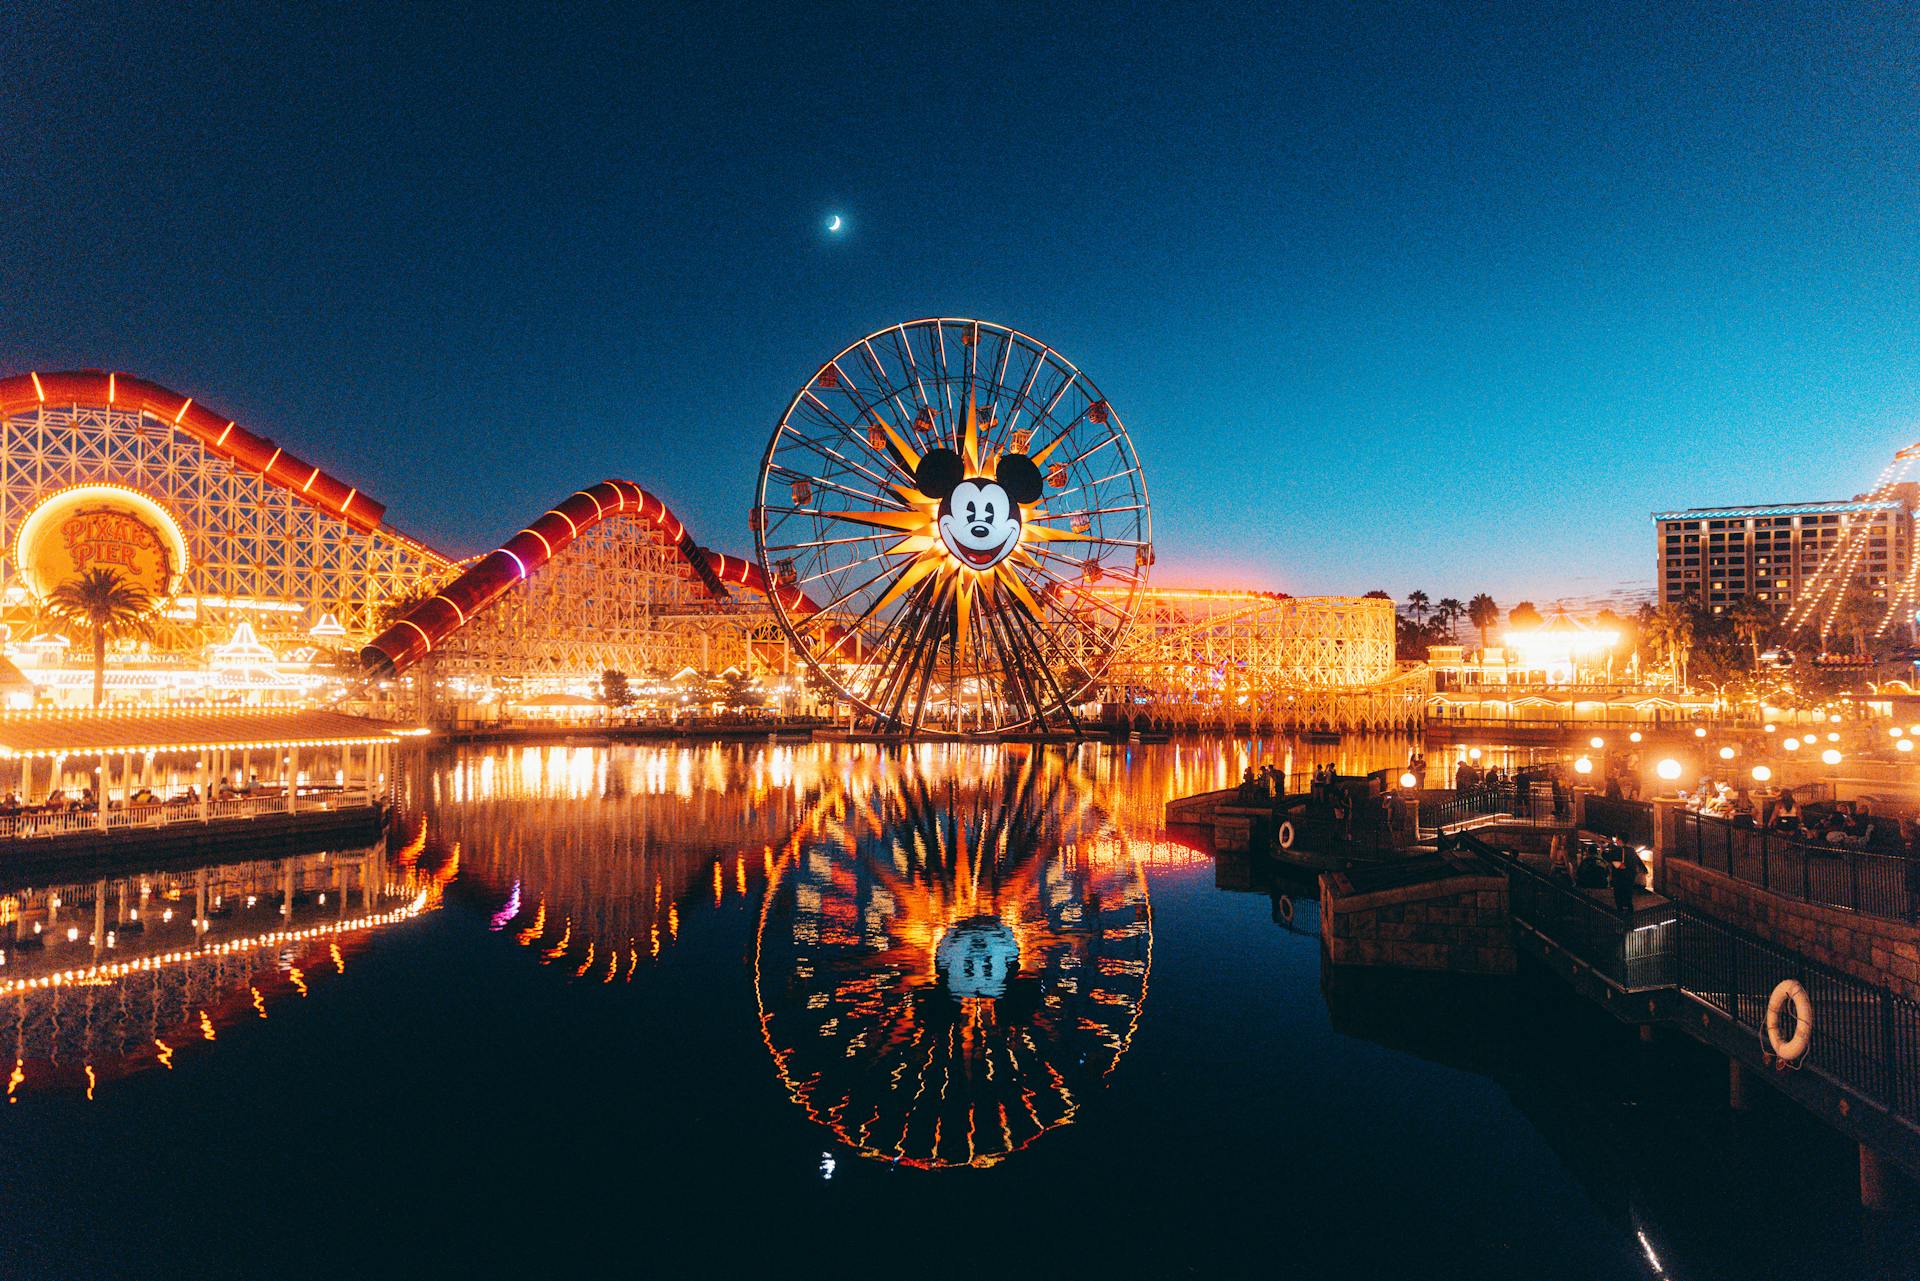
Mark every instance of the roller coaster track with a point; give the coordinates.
(415, 634)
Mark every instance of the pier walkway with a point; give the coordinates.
(1665, 964)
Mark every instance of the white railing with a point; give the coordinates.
(166, 813)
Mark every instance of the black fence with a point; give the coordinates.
(1832, 876)
(1537, 805)
(1631, 821)
(1633, 951)
(1864, 1037)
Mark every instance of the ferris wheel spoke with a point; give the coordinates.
(835, 456)
(937, 353)
(836, 487)
(1013, 678)
(841, 569)
(828, 542)
(913, 370)
(1093, 449)
(845, 429)
(1089, 513)
(868, 413)
(896, 396)
(1078, 590)
(1072, 426)
(1026, 389)
(843, 598)
(881, 451)
(1031, 630)
(1094, 484)
(915, 624)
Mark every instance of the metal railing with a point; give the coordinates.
(1535, 805)
(1634, 951)
(1631, 821)
(1865, 1037)
(1829, 875)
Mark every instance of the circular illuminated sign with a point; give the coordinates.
(980, 518)
(101, 527)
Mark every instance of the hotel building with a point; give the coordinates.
(1718, 555)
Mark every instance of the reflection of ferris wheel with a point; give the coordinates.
(956, 527)
(949, 967)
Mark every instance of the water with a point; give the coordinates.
(736, 1010)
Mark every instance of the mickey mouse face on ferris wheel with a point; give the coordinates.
(980, 517)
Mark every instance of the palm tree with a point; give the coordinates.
(1751, 622)
(105, 604)
(1416, 605)
(1671, 628)
(1483, 613)
(1854, 615)
(1525, 615)
(1448, 614)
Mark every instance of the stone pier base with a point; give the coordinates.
(1442, 912)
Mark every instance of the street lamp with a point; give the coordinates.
(1596, 742)
(1761, 773)
(1790, 744)
(1668, 769)
(1634, 737)
(1905, 745)
(1407, 780)
(1831, 756)
(1726, 753)
(1583, 766)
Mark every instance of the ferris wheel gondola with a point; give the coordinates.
(957, 527)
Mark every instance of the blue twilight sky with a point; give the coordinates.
(1389, 296)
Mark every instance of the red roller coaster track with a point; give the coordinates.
(222, 436)
(427, 624)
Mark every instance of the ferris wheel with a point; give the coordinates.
(955, 528)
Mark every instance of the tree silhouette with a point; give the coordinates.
(105, 604)
(1483, 613)
(1751, 622)
(1854, 615)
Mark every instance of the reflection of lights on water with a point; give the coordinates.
(828, 1165)
(1653, 1260)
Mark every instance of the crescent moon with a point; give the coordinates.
(835, 224)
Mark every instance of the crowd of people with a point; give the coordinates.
(1603, 864)
(1852, 825)
(1524, 791)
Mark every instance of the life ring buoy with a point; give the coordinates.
(1285, 908)
(1789, 1049)
(1286, 834)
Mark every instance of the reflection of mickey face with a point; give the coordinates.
(977, 956)
(979, 517)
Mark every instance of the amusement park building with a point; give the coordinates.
(281, 582)
(275, 574)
